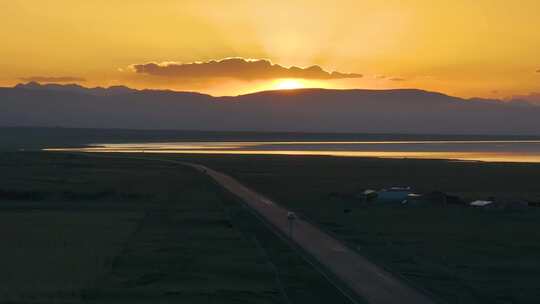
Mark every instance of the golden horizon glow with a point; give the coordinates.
(482, 48)
(289, 84)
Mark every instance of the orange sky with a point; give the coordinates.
(486, 48)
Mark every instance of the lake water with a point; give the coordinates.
(478, 150)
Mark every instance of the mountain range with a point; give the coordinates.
(304, 110)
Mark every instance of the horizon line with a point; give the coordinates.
(239, 95)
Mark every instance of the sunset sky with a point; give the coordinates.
(485, 48)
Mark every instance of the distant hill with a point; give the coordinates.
(305, 110)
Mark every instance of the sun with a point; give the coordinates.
(289, 84)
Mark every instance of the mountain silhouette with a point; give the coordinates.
(304, 110)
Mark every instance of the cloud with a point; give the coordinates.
(238, 68)
(62, 79)
(398, 79)
(538, 71)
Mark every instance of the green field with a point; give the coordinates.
(80, 229)
(458, 254)
(107, 230)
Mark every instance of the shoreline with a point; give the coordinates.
(383, 155)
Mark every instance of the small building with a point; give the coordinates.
(481, 204)
(394, 195)
(370, 195)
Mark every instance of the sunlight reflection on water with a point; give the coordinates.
(491, 151)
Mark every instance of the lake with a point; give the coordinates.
(465, 150)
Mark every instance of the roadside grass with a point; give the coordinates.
(459, 255)
(298, 274)
(190, 253)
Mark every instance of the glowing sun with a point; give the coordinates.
(289, 84)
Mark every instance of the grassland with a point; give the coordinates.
(164, 232)
(459, 255)
(80, 229)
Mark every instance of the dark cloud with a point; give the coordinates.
(239, 68)
(398, 79)
(62, 79)
(538, 71)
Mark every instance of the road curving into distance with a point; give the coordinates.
(366, 279)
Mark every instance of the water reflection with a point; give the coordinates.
(491, 151)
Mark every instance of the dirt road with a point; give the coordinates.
(366, 279)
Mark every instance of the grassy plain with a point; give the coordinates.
(81, 229)
(459, 255)
(156, 214)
